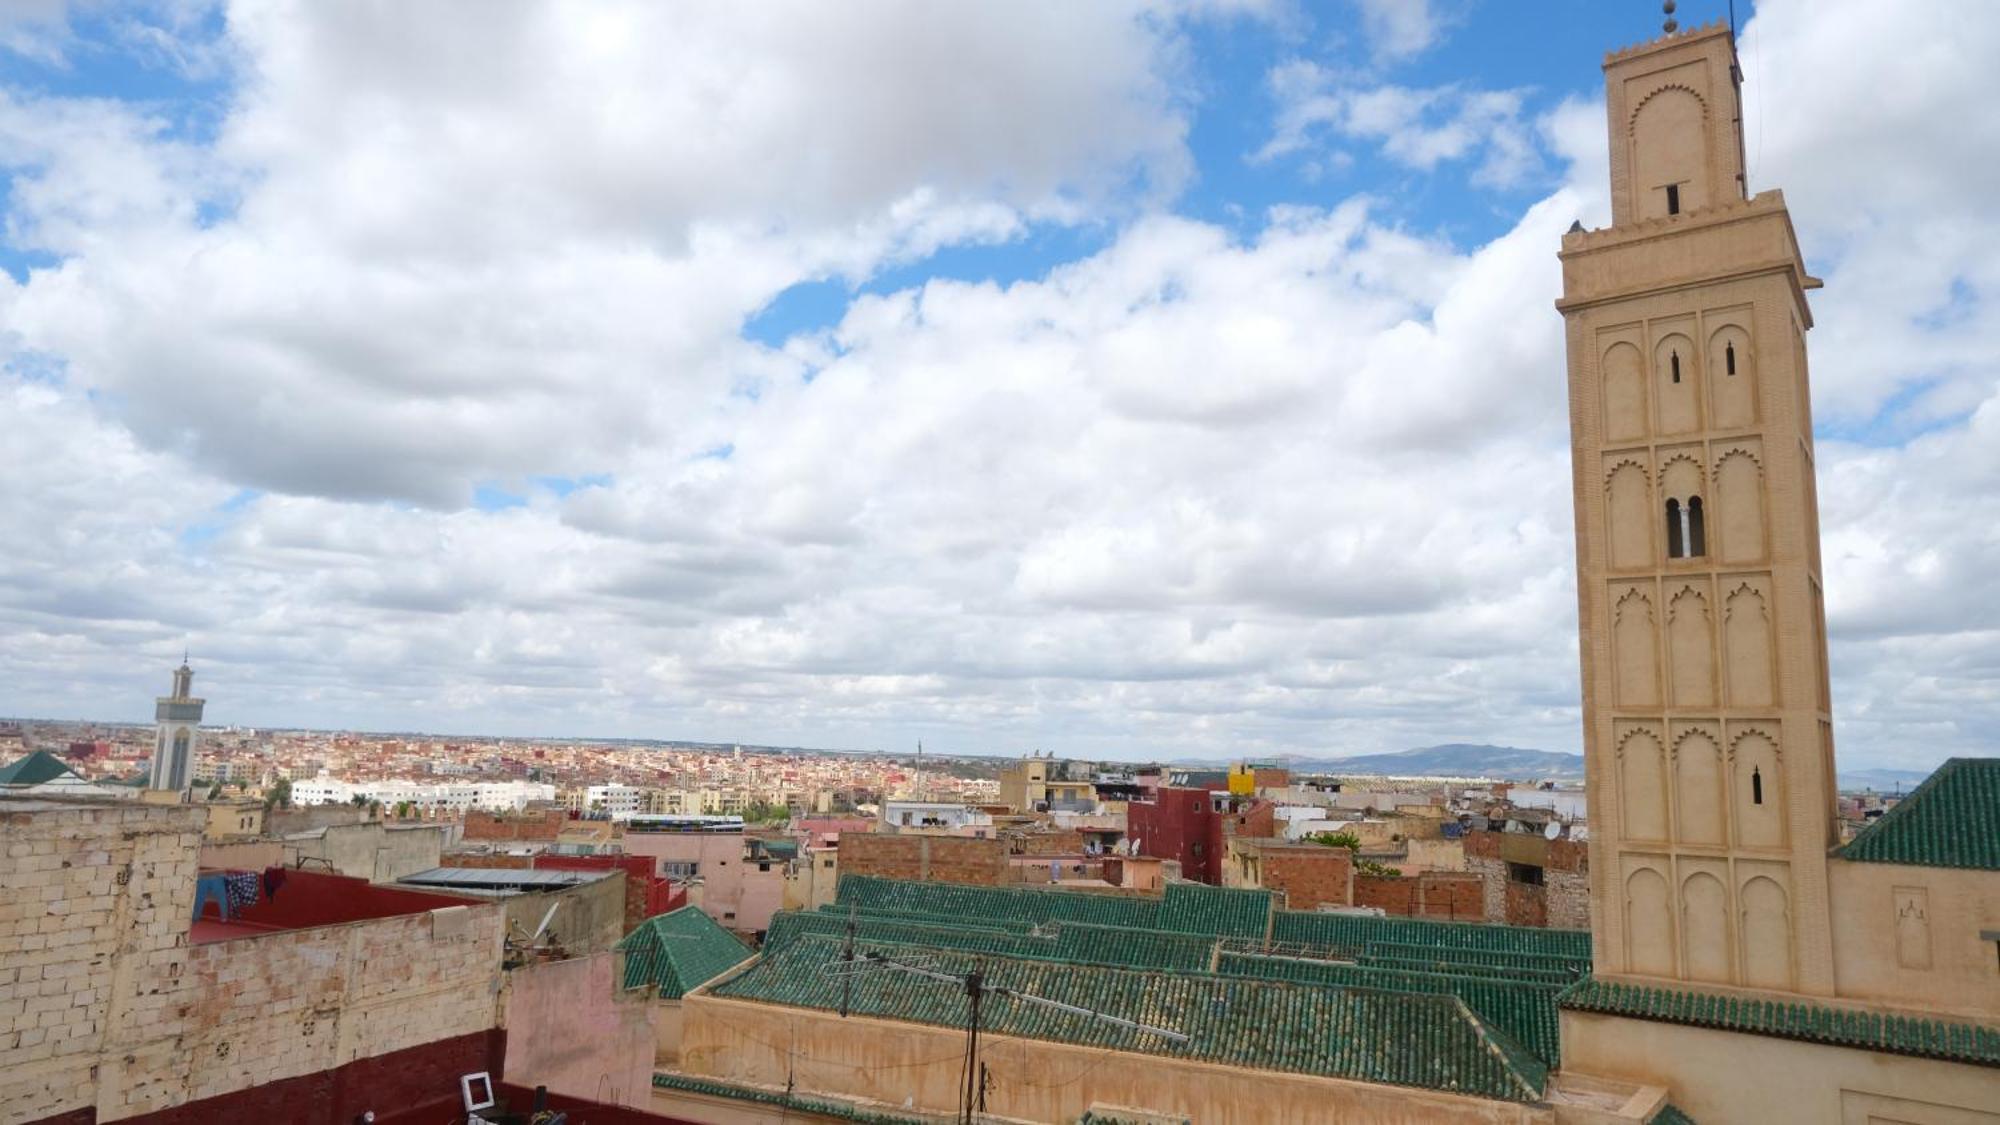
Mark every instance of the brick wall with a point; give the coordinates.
(945, 859)
(1569, 899)
(1309, 877)
(1561, 902)
(1434, 894)
(1526, 904)
(544, 825)
(1063, 841)
(105, 1009)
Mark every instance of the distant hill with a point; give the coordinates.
(1456, 759)
(1881, 780)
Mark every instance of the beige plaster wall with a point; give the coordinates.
(1723, 1076)
(570, 1027)
(591, 918)
(889, 1061)
(374, 851)
(1909, 937)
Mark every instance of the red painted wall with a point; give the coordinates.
(315, 898)
(1172, 824)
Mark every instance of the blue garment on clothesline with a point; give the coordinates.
(215, 887)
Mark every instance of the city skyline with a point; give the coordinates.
(897, 412)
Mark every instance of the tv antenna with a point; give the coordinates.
(974, 1078)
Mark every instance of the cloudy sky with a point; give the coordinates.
(1136, 379)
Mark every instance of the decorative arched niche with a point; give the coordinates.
(1732, 383)
(1677, 386)
(1624, 393)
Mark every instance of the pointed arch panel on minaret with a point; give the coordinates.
(1699, 794)
(1739, 531)
(1676, 379)
(1705, 920)
(1748, 643)
(1764, 905)
(1757, 785)
(1732, 367)
(1642, 783)
(1635, 645)
(1624, 374)
(1628, 511)
(1668, 139)
(1649, 917)
(1691, 642)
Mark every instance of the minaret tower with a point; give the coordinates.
(1705, 697)
(179, 718)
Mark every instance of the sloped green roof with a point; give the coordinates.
(33, 769)
(1354, 932)
(1023, 904)
(824, 1107)
(1671, 1114)
(678, 952)
(843, 909)
(1553, 977)
(1951, 820)
(1461, 959)
(1524, 1011)
(1786, 1019)
(1133, 948)
(1401, 1038)
(1196, 908)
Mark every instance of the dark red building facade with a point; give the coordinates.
(1193, 826)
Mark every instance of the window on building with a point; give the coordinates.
(1674, 206)
(1674, 363)
(1525, 873)
(1729, 358)
(1197, 851)
(1697, 537)
(1676, 542)
(1756, 786)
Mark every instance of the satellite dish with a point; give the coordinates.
(1553, 830)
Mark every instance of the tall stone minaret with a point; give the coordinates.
(1705, 699)
(179, 718)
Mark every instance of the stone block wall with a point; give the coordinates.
(107, 1012)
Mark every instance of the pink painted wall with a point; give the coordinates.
(571, 1028)
(734, 891)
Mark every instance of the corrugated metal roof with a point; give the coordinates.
(1951, 820)
(476, 879)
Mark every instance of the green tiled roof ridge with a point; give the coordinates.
(1364, 1034)
(1671, 1114)
(1032, 904)
(34, 768)
(679, 951)
(1806, 1020)
(1355, 931)
(1460, 955)
(826, 1107)
(1951, 819)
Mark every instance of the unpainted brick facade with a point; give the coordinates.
(1449, 895)
(945, 859)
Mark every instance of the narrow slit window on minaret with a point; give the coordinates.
(1697, 537)
(1756, 786)
(1673, 199)
(1729, 358)
(1674, 361)
(1675, 528)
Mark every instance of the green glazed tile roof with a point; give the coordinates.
(678, 952)
(1402, 1038)
(1571, 967)
(1011, 925)
(1023, 904)
(1524, 1011)
(1951, 820)
(788, 926)
(1671, 1114)
(1133, 948)
(1555, 977)
(1790, 1019)
(825, 1107)
(1354, 932)
(1196, 908)
(33, 769)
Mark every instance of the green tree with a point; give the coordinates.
(1346, 840)
(215, 791)
(279, 795)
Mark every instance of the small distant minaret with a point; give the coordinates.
(179, 717)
